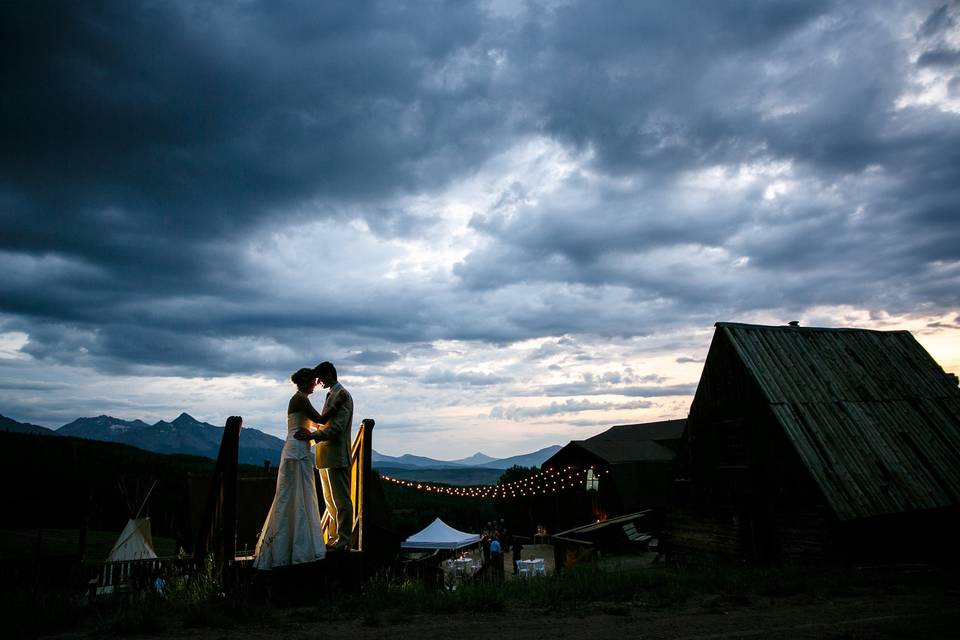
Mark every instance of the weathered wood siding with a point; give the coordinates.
(801, 440)
(874, 418)
(696, 537)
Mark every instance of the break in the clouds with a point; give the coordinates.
(472, 207)
(569, 406)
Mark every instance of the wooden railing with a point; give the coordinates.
(361, 462)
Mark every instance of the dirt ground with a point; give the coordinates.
(924, 612)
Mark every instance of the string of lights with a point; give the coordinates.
(543, 483)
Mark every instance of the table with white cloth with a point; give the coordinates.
(531, 567)
(461, 566)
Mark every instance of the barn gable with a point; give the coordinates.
(871, 415)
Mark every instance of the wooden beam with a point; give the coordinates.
(217, 533)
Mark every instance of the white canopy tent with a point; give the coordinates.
(134, 543)
(439, 535)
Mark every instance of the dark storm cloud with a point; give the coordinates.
(46, 387)
(939, 21)
(137, 134)
(829, 70)
(655, 87)
(942, 325)
(948, 58)
(206, 115)
(438, 376)
(147, 144)
(370, 357)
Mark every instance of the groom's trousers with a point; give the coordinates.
(335, 483)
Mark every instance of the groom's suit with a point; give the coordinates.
(333, 460)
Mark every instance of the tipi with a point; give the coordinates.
(134, 543)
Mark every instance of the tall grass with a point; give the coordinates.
(611, 588)
(570, 589)
(33, 611)
(198, 601)
(195, 600)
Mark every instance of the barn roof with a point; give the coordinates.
(873, 417)
(630, 442)
(614, 452)
(648, 431)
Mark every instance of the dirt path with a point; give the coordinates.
(926, 613)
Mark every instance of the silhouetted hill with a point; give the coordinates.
(476, 460)
(534, 459)
(9, 424)
(59, 482)
(408, 461)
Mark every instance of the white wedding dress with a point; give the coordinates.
(292, 533)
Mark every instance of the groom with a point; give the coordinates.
(333, 457)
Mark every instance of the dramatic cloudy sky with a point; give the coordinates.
(510, 224)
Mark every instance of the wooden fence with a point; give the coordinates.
(141, 575)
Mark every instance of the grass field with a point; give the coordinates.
(824, 602)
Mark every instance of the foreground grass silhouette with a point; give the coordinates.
(611, 588)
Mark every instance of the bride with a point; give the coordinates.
(292, 532)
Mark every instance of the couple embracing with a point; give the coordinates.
(292, 533)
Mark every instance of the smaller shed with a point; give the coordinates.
(439, 535)
(626, 468)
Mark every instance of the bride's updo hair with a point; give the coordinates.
(302, 376)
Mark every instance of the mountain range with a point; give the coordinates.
(186, 434)
(477, 460)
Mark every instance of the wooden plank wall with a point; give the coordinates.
(697, 538)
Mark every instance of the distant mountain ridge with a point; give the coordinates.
(185, 434)
(477, 460)
(534, 459)
(408, 461)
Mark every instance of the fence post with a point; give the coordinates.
(218, 528)
(365, 463)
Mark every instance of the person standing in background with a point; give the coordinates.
(517, 549)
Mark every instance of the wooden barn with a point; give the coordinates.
(626, 468)
(815, 444)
